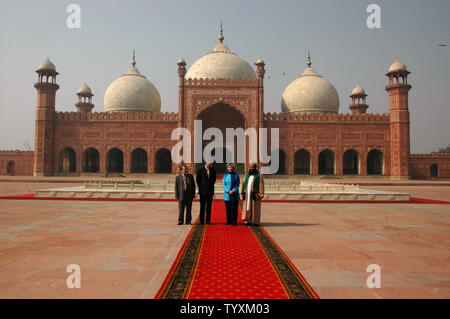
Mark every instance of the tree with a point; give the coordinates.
(445, 150)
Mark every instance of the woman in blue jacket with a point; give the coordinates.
(231, 183)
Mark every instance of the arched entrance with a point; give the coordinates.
(114, 161)
(67, 160)
(223, 116)
(139, 162)
(302, 162)
(91, 160)
(434, 170)
(10, 168)
(326, 162)
(375, 162)
(351, 162)
(163, 161)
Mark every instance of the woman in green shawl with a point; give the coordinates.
(252, 193)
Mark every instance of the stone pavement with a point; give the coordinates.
(125, 249)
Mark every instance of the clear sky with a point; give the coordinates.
(343, 50)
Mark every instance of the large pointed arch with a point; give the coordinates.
(302, 162)
(139, 161)
(375, 164)
(326, 162)
(163, 161)
(67, 160)
(91, 160)
(350, 162)
(114, 161)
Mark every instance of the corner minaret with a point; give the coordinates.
(398, 89)
(358, 96)
(260, 71)
(45, 113)
(85, 99)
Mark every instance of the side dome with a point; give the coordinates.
(358, 91)
(47, 65)
(132, 92)
(310, 92)
(221, 63)
(397, 66)
(85, 89)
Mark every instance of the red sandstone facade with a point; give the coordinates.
(82, 142)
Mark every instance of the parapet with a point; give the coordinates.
(117, 116)
(326, 117)
(220, 82)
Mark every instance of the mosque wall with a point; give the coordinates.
(16, 162)
(429, 166)
(337, 133)
(105, 131)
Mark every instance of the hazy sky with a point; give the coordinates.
(343, 50)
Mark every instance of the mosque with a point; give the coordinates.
(133, 136)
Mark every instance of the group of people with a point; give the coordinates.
(252, 192)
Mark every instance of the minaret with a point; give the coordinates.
(260, 71)
(358, 100)
(45, 113)
(85, 99)
(398, 89)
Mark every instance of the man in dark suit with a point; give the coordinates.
(185, 193)
(206, 178)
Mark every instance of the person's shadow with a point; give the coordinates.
(287, 224)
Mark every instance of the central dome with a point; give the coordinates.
(310, 92)
(221, 63)
(132, 92)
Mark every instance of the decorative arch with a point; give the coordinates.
(10, 168)
(434, 170)
(351, 162)
(375, 162)
(114, 161)
(67, 160)
(139, 161)
(302, 162)
(163, 161)
(222, 116)
(326, 162)
(91, 160)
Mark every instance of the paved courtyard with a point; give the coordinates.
(125, 249)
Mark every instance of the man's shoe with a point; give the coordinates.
(180, 223)
(188, 223)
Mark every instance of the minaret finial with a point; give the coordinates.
(221, 37)
(134, 59)
(309, 60)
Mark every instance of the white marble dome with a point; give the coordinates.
(310, 92)
(358, 91)
(85, 89)
(397, 66)
(132, 92)
(47, 65)
(221, 63)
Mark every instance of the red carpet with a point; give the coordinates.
(233, 263)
